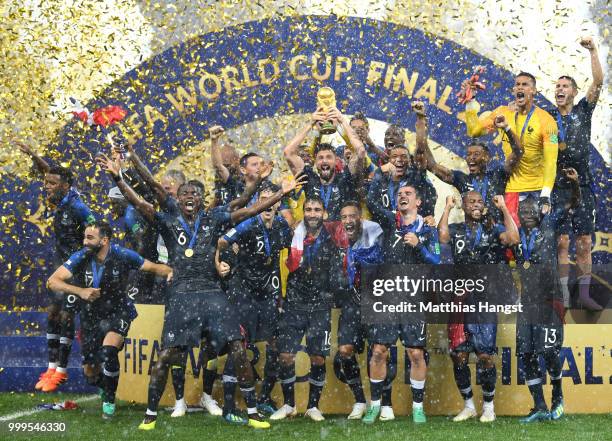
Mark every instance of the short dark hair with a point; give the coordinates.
(359, 116)
(403, 184)
(573, 81)
(479, 144)
(192, 183)
(324, 146)
(244, 159)
(351, 203)
(175, 174)
(103, 227)
(64, 174)
(527, 74)
(315, 199)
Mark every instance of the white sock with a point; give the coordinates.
(417, 405)
(470, 403)
(61, 370)
(488, 405)
(52, 365)
(151, 412)
(375, 403)
(181, 401)
(251, 410)
(565, 291)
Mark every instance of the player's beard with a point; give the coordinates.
(313, 224)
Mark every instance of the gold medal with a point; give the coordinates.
(526, 264)
(189, 252)
(562, 145)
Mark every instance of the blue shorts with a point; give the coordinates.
(481, 339)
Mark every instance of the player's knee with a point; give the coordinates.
(110, 356)
(286, 359)
(459, 358)
(486, 361)
(563, 244)
(583, 245)
(346, 351)
(416, 355)
(317, 360)
(379, 354)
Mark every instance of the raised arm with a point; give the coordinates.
(147, 176)
(516, 154)
(595, 89)
(356, 164)
(251, 187)
(550, 151)
(144, 208)
(511, 236)
(477, 126)
(443, 232)
(42, 165)
(440, 171)
(215, 153)
(291, 150)
(288, 185)
(159, 269)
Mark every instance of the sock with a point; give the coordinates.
(553, 365)
(533, 377)
(286, 376)
(178, 377)
(487, 378)
(210, 374)
(64, 352)
(584, 286)
(376, 389)
(53, 335)
(565, 290)
(110, 371)
(418, 392)
(157, 383)
(270, 374)
(463, 380)
(317, 381)
(229, 387)
(350, 366)
(250, 399)
(386, 393)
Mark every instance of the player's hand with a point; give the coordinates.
(545, 204)
(170, 276)
(499, 202)
(289, 184)
(429, 220)
(451, 202)
(265, 170)
(411, 239)
(571, 174)
(23, 147)
(318, 117)
(389, 168)
(335, 116)
(108, 165)
(587, 43)
(215, 132)
(89, 294)
(223, 269)
(418, 107)
(500, 122)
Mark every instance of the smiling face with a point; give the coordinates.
(565, 92)
(170, 185)
(477, 159)
(361, 128)
(350, 216)
(189, 199)
(407, 200)
(473, 206)
(251, 167)
(394, 136)
(524, 90)
(55, 188)
(270, 212)
(314, 212)
(400, 158)
(93, 240)
(325, 163)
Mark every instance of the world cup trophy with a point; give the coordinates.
(326, 100)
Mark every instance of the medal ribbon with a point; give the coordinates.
(193, 236)
(325, 192)
(477, 237)
(97, 273)
(481, 187)
(529, 115)
(311, 249)
(528, 248)
(561, 127)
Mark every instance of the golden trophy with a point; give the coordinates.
(326, 100)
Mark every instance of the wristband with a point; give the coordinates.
(545, 192)
(117, 178)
